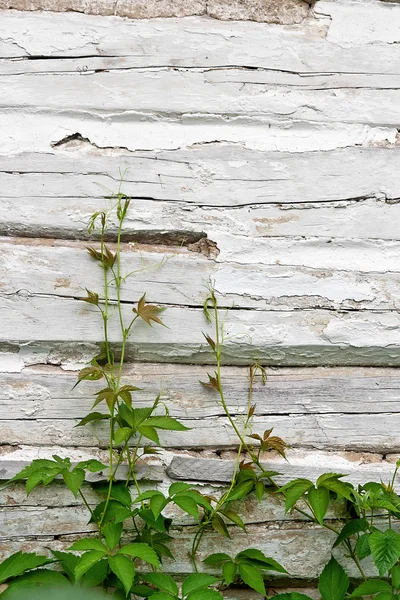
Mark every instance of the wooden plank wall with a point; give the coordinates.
(261, 142)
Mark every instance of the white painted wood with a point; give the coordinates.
(65, 270)
(68, 217)
(222, 175)
(204, 42)
(141, 95)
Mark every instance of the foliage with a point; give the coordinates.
(127, 561)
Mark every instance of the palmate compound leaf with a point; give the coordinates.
(333, 582)
(385, 549)
(19, 563)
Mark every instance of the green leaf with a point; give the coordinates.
(115, 511)
(68, 562)
(385, 596)
(120, 492)
(24, 585)
(292, 596)
(112, 532)
(18, 563)
(142, 551)
(147, 495)
(178, 487)
(253, 578)
(241, 490)
(385, 549)
(196, 581)
(167, 423)
(362, 546)
(333, 582)
(162, 581)
(216, 559)
(319, 502)
(373, 586)
(92, 417)
(92, 465)
(219, 526)
(340, 488)
(351, 528)
(204, 594)
(95, 575)
(187, 504)
(229, 572)
(260, 490)
(150, 433)
(124, 569)
(86, 561)
(74, 479)
(322, 479)
(122, 434)
(157, 504)
(396, 577)
(88, 544)
(234, 517)
(163, 596)
(264, 562)
(294, 490)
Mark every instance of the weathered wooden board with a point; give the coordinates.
(142, 95)
(362, 432)
(67, 217)
(298, 338)
(220, 175)
(302, 549)
(65, 269)
(46, 391)
(207, 43)
(204, 467)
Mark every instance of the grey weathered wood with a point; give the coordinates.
(46, 391)
(362, 432)
(302, 338)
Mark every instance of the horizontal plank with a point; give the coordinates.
(141, 95)
(22, 134)
(225, 175)
(66, 269)
(204, 467)
(207, 43)
(45, 392)
(287, 338)
(302, 549)
(359, 468)
(66, 217)
(358, 432)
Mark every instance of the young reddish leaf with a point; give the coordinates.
(92, 297)
(148, 312)
(212, 382)
(210, 341)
